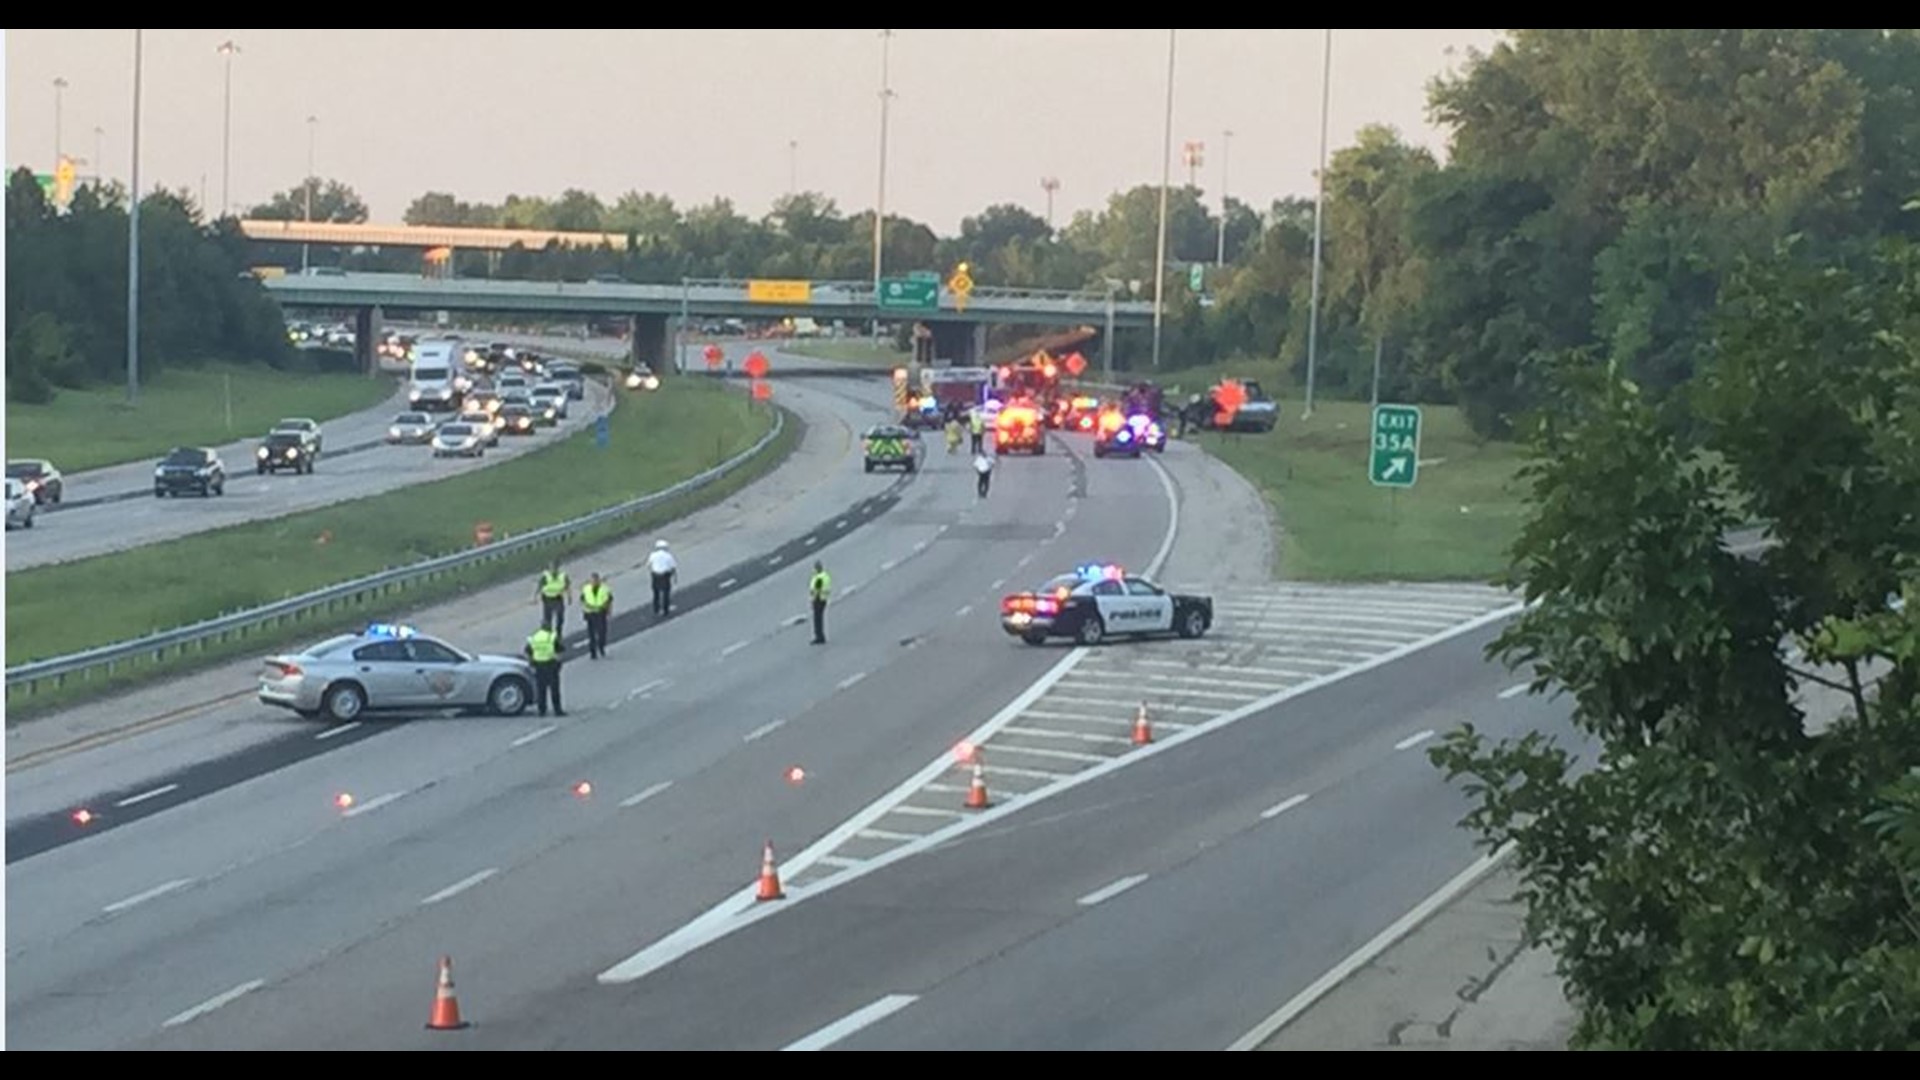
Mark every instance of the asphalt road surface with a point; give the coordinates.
(354, 463)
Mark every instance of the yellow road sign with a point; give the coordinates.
(64, 176)
(779, 292)
(961, 282)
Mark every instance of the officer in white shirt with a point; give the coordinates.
(664, 570)
(983, 465)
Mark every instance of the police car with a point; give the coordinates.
(1098, 601)
(888, 446)
(392, 668)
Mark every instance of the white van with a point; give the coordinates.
(437, 373)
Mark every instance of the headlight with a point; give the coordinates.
(159, 470)
(262, 452)
(653, 382)
(292, 453)
(394, 431)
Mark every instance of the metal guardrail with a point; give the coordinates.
(158, 645)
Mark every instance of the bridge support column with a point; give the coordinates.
(958, 343)
(651, 340)
(367, 328)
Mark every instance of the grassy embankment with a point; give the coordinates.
(656, 440)
(860, 351)
(90, 428)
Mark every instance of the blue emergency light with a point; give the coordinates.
(1099, 572)
(390, 630)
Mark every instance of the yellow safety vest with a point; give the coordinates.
(553, 584)
(594, 598)
(818, 587)
(978, 422)
(545, 646)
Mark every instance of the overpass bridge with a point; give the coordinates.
(956, 324)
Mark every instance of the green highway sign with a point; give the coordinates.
(1394, 461)
(924, 275)
(910, 295)
(1197, 277)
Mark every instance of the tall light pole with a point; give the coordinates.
(1196, 156)
(312, 123)
(1319, 209)
(1166, 180)
(133, 233)
(880, 199)
(1050, 184)
(793, 166)
(99, 155)
(227, 49)
(59, 91)
(1220, 250)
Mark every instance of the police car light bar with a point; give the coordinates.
(390, 630)
(1099, 571)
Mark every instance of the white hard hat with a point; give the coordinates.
(659, 545)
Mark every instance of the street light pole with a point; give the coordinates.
(99, 155)
(1166, 180)
(133, 234)
(1319, 210)
(1226, 148)
(311, 122)
(227, 49)
(1050, 185)
(1106, 343)
(59, 91)
(880, 199)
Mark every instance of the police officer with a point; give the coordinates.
(552, 592)
(543, 648)
(983, 468)
(977, 426)
(662, 566)
(817, 590)
(596, 603)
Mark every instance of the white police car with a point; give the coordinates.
(1097, 601)
(390, 668)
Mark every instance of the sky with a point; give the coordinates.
(977, 117)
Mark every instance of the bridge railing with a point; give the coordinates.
(156, 647)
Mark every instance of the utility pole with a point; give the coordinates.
(1196, 156)
(312, 122)
(59, 92)
(1050, 184)
(1166, 179)
(793, 166)
(133, 235)
(99, 155)
(880, 199)
(1226, 148)
(1319, 210)
(227, 49)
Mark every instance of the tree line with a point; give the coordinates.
(66, 290)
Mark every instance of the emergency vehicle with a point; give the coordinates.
(1020, 427)
(1099, 600)
(1037, 380)
(1126, 434)
(888, 446)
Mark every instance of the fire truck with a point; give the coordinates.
(1035, 381)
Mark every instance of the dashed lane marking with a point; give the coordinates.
(375, 803)
(642, 796)
(730, 583)
(536, 733)
(1108, 892)
(764, 730)
(1414, 740)
(1282, 806)
(217, 1001)
(136, 800)
(459, 887)
(340, 730)
(154, 893)
(1514, 691)
(848, 682)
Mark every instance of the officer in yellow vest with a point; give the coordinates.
(543, 648)
(596, 604)
(977, 426)
(817, 590)
(552, 592)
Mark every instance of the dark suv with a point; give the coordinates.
(284, 450)
(190, 468)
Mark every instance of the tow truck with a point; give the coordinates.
(1020, 427)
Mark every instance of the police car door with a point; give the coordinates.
(439, 678)
(385, 670)
(1154, 606)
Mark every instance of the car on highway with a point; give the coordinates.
(571, 377)
(516, 419)
(411, 429)
(391, 668)
(40, 477)
(284, 449)
(550, 403)
(487, 401)
(190, 468)
(1099, 600)
(20, 504)
(642, 378)
(309, 430)
(510, 381)
(888, 446)
(455, 439)
(1127, 436)
(483, 422)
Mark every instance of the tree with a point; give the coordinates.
(313, 200)
(1725, 879)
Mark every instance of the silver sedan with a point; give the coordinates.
(411, 428)
(459, 440)
(390, 668)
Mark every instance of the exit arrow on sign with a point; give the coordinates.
(1394, 468)
(1394, 458)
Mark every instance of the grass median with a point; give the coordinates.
(848, 351)
(656, 440)
(94, 427)
(1456, 523)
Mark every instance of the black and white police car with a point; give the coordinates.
(1098, 601)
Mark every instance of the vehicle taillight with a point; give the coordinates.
(284, 669)
(1047, 607)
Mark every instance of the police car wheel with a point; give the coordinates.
(1034, 637)
(344, 701)
(869, 466)
(1092, 632)
(1193, 624)
(507, 697)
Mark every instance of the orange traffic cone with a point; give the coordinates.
(446, 1008)
(1142, 731)
(769, 877)
(977, 793)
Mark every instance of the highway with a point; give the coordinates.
(240, 904)
(114, 509)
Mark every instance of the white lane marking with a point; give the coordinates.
(764, 730)
(997, 583)
(886, 834)
(1048, 733)
(1071, 507)
(374, 803)
(1024, 560)
(1414, 740)
(642, 796)
(841, 524)
(341, 730)
(919, 547)
(1063, 755)
(849, 591)
(794, 620)
(460, 886)
(848, 682)
(730, 583)
(889, 565)
(912, 811)
(964, 611)
(852, 1022)
(1032, 774)
(775, 561)
(151, 894)
(1366, 954)
(215, 1002)
(537, 733)
(645, 688)
(734, 648)
(1059, 529)
(812, 540)
(1110, 891)
(840, 861)
(1282, 806)
(1514, 691)
(133, 800)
